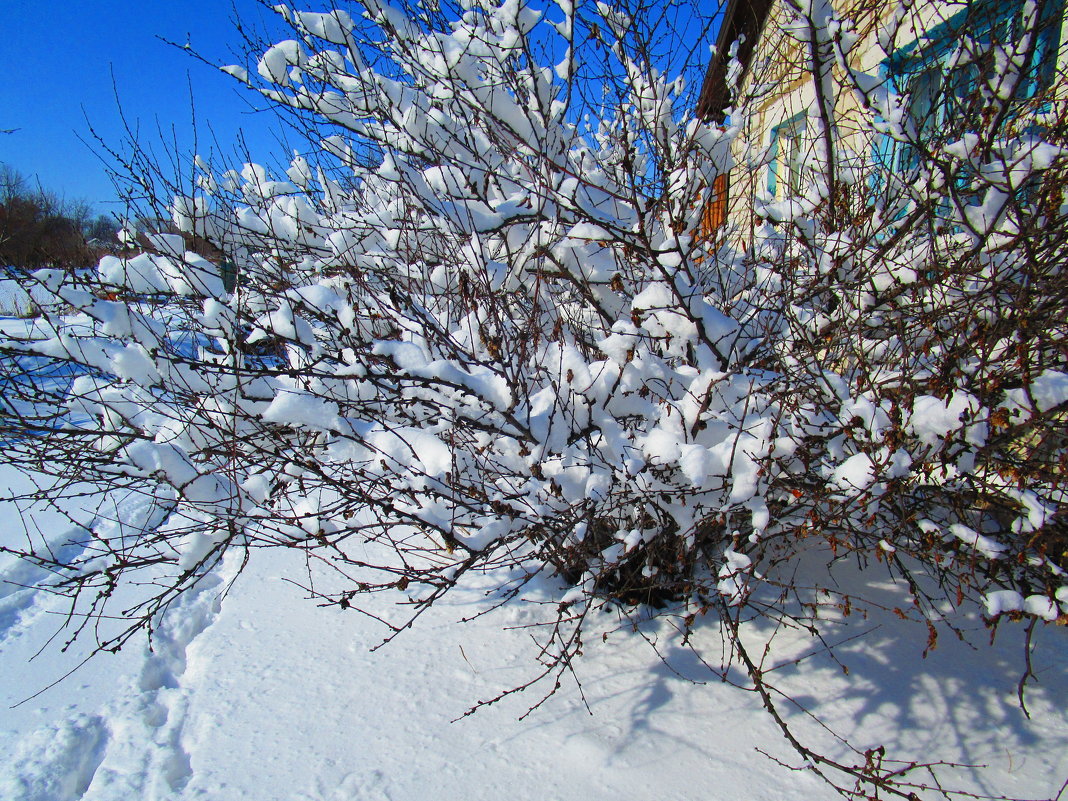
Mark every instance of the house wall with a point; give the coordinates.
(779, 88)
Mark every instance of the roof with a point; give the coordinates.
(742, 18)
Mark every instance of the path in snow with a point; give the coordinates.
(131, 746)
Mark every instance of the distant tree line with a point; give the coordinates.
(38, 228)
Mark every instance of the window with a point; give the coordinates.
(953, 75)
(786, 168)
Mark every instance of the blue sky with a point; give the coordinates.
(59, 58)
(65, 61)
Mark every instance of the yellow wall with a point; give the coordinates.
(778, 87)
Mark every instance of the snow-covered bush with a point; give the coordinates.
(475, 331)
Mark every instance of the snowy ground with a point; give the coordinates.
(259, 694)
(14, 299)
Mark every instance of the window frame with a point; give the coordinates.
(792, 129)
(932, 54)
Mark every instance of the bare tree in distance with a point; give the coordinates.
(39, 228)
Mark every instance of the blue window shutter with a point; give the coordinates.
(778, 154)
(773, 160)
(942, 99)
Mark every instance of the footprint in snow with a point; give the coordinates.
(56, 762)
(372, 785)
(20, 600)
(147, 758)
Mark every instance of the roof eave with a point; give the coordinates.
(743, 21)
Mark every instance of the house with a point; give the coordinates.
(937, 63)
(927, 266)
